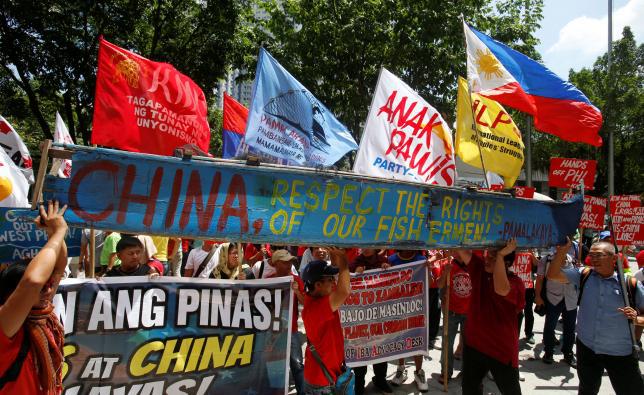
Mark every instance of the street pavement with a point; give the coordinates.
(557, 378)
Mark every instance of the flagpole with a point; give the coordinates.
(476, 129)
(528, 152)
(611, 143)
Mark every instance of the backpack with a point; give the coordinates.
(631, 288)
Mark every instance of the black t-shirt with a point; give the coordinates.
(142, 270)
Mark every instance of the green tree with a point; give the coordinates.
(48, 50)
(620, 97)
(336, 48)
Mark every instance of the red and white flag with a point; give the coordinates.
(405, 138)
(61, 135)
(146, 106)
(16, 149)
(13, 186)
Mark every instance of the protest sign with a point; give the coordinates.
(594, 211)
(627, 215)
(385, 317)
(522, 267)
(146, 106)
(405, 138)
(286, 121)
(61, 135)
(136, 193)
(498, 138)
(20, 238)
(14, 188)
(175, 336)
(524, 192)
(569, 173)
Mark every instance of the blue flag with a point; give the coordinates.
(288, 122)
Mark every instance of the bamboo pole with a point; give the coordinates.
(445, 331)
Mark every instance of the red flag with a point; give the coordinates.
(146, 106)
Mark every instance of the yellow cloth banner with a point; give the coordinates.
(500, 139)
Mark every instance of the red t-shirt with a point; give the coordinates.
(491, 325)
(324, 331)
(27, 381)
(460, 289)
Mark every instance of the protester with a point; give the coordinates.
(460, 293)
(31, 337)
(201, 260)
(149, 248)
(530, 296)
(283, 262)
(399, 258)
(369, 260)
(175, 257)
(264, 268)
(129, 251)
(108, 255)
(312, 254)
(228, 265)
(99, 240)
(161, 245)
(322, 320)
(434, 308)
(560, 299)
(491, 332)
(603, 333)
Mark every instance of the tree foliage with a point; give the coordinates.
(620, 97)
(336, 48)
(48, 50)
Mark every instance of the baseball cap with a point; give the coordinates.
(315, 270)
(282, 255)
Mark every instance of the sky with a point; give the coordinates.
(574, 33)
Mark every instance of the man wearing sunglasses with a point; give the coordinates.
(603, 333)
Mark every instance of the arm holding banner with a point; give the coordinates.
(554, 270)
(343, 288)
(500, 275)
(41, 270)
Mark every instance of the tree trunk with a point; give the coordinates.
(34, 105)
(67, 98)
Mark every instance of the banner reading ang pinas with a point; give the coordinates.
(385, 317)
(168, 337)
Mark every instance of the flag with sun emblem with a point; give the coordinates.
(13, 186)
(498, 139)
(146, 106)
(16, 149)
(513, 79)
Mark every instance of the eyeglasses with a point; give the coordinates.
(598, 255)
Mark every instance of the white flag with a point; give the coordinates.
(13, 186)
(17, 150)
(405, 138)
(61, 135)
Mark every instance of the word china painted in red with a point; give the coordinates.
(627, 214)
(412, 139)
(569, 173)
(594, 211)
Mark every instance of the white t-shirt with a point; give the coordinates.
(268, 269)
(196, 257)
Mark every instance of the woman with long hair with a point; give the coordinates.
(229, 265)
(31, 337)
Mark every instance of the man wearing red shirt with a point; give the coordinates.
(322, 320)
(460, 292)
(491, 329)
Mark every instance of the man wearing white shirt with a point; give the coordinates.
(196, 260)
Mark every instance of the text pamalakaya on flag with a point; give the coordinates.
(146, 106)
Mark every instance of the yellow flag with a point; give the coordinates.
(500, 139)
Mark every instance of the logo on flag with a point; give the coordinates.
(404, 137)
(61, 135)
(513, 79)
(146, 106)
(286, 121)
(13, 186)
(498, 138)
(16, 149)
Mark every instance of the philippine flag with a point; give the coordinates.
(234, 125)
(513, 79)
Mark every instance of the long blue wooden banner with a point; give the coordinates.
(20, 238)
(150, 194)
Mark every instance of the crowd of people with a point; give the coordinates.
(477, 291)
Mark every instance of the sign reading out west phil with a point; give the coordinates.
(20, 238)
(182, 336)
(140, 193)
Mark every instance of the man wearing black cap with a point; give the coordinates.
(322, 321)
